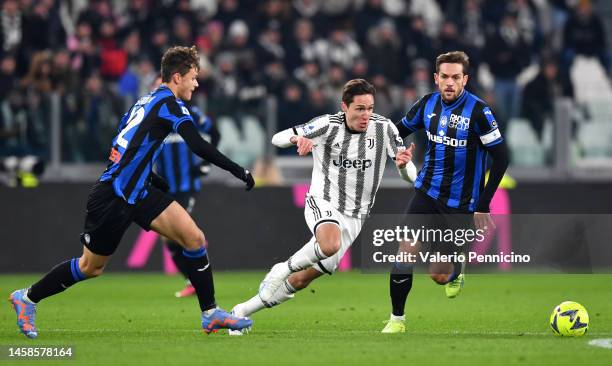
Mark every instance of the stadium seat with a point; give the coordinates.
(589, 80)
(525, 149)
(243, 145)
(600, 109)
(594, 139)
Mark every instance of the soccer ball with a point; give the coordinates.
(569, 319)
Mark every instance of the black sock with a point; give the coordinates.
(178, 258)
(57, 280)
(400, 283)
(200, 275)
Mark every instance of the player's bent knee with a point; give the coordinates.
(330, 247)
(195, 240)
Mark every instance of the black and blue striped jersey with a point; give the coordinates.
(141, 133)
(176, 163)
(458, 136)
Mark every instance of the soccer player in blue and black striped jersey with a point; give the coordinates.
(462, 132)
(128, 191)
(182, 170)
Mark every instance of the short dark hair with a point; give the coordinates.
(454, 57)
(356, 87)
(179, 59)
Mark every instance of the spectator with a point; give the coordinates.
(300, 48)
(309, 74)
(84, 53)
(383, 50)
(368, 17)
(339, 49)
(12, 25)
(417, 44)
(540, 93)
(507, 56)
(584, 35)
(269, 46)
(292, 109)
(182, 32)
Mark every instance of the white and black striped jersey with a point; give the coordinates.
(349, 165)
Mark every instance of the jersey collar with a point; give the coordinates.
(456, 102)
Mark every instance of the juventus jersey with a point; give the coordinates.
(349, 165)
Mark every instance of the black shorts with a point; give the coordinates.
(108, 216)
(185, 199)
(425, 212)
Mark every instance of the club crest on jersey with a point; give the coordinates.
(443, 121)
(307, 128)
(370, 142)
(361, 164)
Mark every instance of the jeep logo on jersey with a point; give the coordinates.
(459, 122)
(362, 164)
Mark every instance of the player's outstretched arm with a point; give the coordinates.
(405, 166)
(288, 138)
(283, 139)
(208, 152)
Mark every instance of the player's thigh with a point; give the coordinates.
(324, 223)
(106, 220)
(177, 225)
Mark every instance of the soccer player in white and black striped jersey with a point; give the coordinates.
(350, 150)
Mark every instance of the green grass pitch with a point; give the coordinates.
(133, 319)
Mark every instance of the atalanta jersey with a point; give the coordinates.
(176, 163)
(142, 131)
(458, 134)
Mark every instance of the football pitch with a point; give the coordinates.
(131, 319)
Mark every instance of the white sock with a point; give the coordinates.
(285, 292)
(308, 255)
(399, 318)
(252, 305)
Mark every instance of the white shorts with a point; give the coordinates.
(317, 211)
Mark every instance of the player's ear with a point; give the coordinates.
(436, 78)
(344, 107)
(465, 79)
(176, 78)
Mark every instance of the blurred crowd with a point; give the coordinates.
(90, 60)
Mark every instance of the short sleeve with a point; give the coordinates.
(314, 129)
(394, 141)
(175, 112)
(486, 127)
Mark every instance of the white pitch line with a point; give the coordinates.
(601, 342)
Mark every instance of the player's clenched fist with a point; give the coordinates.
(404, 156)
(304, 145)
